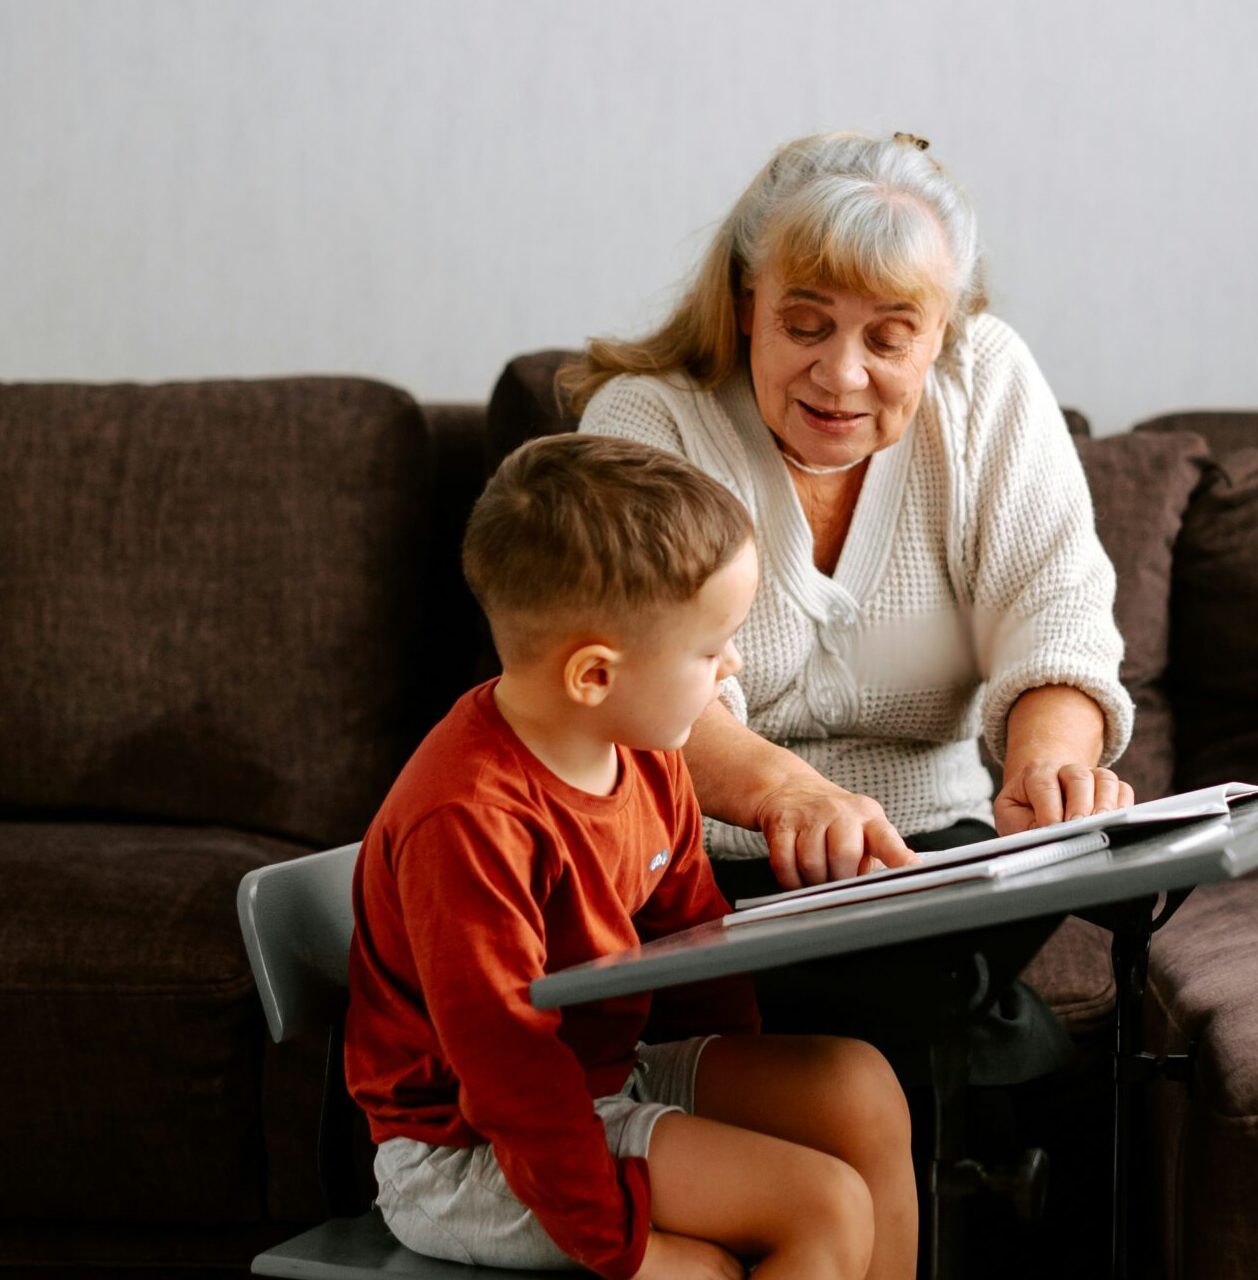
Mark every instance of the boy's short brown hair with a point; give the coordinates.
(588, 528)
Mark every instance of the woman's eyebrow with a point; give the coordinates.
(885, 308)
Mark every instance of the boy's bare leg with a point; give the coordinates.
(838, 1096)
(801, 1212)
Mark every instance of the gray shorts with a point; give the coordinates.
(454, 1202)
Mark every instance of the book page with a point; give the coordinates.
(924, 877)
(1204, 803)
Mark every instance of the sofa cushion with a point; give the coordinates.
(208, 600)
(1214, 640)
(1224, 430)
(131, 1083)
(1074, 974)
(1201, 989)
(1141, 486)
(524, 403)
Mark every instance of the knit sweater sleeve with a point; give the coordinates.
(1042, 587)
(632, 408)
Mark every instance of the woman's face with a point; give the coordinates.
(837, 375)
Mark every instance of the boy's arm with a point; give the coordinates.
(687, 895)
(471, 891)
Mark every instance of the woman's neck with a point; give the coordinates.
(829, 503)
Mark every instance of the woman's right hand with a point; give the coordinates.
(817, 832)
(674, 1257)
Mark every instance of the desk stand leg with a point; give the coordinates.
(949, 1063)
(1133, 926)
(1130, 954)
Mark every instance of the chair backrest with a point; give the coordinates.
(297, 919)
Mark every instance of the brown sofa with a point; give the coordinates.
(227, 612)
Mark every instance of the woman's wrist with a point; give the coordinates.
(1054, 724)
(735, 771)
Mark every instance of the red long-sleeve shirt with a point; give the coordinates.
(481, 872)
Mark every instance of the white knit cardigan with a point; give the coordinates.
(971, 573)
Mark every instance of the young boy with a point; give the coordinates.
(547, 820)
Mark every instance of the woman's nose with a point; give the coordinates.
(841, 367)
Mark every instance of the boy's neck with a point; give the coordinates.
(557, 733)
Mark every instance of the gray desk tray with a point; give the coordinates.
(1172, 858)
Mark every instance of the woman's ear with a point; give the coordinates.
(589, 673)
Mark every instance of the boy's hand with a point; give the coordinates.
(674, 1257)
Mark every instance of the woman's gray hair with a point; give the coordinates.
(874, 215)
(877, 215)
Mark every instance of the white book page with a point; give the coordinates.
(1204, 803)
(865, 888)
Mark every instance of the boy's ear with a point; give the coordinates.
(589, 672)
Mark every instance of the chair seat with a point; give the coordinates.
(362, 1248)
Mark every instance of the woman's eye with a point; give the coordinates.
(888, 344)
(805, 326)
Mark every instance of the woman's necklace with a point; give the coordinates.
(809, 469)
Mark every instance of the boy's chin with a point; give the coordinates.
(674, 743)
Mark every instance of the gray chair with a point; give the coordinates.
(297, 920)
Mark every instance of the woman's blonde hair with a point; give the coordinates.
(836, 210)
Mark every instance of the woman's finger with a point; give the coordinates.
(845, 847)
(782, 856)
(1043, 787)
(1078, 791)
(1106, 786)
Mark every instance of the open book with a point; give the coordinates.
(994, 859)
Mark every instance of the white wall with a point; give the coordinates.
(419, 190)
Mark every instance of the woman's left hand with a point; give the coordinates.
(1040, 792)
(1054, 740)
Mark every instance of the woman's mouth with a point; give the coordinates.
(838, 421)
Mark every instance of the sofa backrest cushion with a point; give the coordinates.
(1224, 430)
(1214, 643)
(1214, 634)
(210, 600)
(524, 403)
(1141, 487)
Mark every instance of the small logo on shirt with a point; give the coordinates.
(660, 860)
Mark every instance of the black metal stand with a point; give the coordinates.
(1133, 925)
(949, 1071)
(953, 1175)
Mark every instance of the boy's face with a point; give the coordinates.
(669, 674)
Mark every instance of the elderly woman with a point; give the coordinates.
(929, 564)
